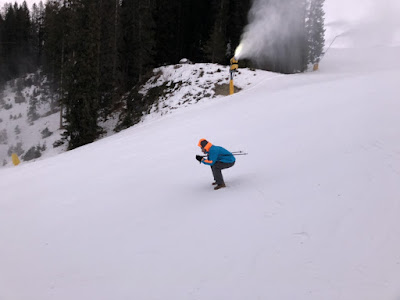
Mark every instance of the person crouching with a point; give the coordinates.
(218, 158)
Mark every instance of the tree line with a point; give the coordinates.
(95, 51)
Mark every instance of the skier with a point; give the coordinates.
(218, 158)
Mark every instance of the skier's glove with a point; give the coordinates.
(199, 158)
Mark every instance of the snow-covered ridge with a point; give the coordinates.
(183, 85)
(30, 116)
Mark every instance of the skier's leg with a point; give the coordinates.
(212, 170)
(217, 168)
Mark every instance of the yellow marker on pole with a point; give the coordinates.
(234, 67)
(15, 159)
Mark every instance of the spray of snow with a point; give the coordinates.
(268, 23)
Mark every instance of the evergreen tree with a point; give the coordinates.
(197, 22)
(216, 47)
(167, 18)
(15, 39)
(56, 29)
(137, 44)
(32, 110)
(26, 56)
(127, 44)
(145, 32)
(2, 54)
(38, 32)
(298, 54)
(109, 71)
(238, 11)
(82, 74)
(315, 30)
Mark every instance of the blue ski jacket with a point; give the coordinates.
(217, 153)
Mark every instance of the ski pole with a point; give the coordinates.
(233, 153)
(239, 153)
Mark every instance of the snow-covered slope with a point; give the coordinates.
(30, 117)
(311, 212)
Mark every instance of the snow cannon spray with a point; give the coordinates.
(238, 51)
(267, 30)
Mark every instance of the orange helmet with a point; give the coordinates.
(204, 144)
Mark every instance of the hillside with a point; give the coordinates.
(30, 115)
(311, 212)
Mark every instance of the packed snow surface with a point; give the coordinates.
(311, 213)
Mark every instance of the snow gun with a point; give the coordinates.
(234, 66)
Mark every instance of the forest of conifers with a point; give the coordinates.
(95, 51)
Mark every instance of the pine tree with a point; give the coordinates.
(2, 54)
(168, 22)
(127, 44)
(16, 42)
(197, 22)
(32, 110)
(145, 32)
(25, 59)
(137, 45)
(82, 74)
(315, 31)
(299, 52)
(238, 11)
(38, 32)
(55, 30)
(216, 46)
(109, 72)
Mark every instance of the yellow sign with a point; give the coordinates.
(15, 159)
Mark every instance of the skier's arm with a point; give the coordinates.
(212, 158)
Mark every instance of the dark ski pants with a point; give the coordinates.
(216, 170)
